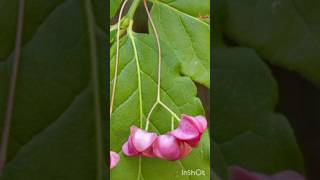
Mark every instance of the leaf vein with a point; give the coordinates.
(191, 44)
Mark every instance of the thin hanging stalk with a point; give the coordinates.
(117, 57)
(159, 48)
(158, 100)
(159, 63)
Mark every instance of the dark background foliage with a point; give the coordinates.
(55, 129)
(299, 99)
(300, 102)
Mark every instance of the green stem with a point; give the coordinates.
(123, 22)
(159, 48)
(172, 123)
(148, 118)
(133, 8)
(158, 100)
(169, 110)
(130, 33)
(139, 169)
(117, 57)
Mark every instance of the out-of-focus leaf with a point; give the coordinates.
(284, 32)
(247, 130)
(53, 133)
(219, 14)
(219, 164)
(114, 6)
(36, 12)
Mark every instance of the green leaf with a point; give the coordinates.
(284, 32)
(177, 91)
(247, 130)
(180, 24)
(113, 35)
(196, 9)
(114, 6)
(53, 131)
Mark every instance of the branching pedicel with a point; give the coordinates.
(158, 100)
(130, 34)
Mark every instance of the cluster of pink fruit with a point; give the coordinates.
(172, 146)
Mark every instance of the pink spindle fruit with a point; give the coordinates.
(172, 146)
(167, 147)
(138, 142)
(190, 129)
(114, 159)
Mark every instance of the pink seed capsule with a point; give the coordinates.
(172, 146)
(138, 142)
(149, 153)
(114, 159)
(128, 148)
(185, 149)
(200, 122)
(141, 139)
(190, 129)
(167, 147)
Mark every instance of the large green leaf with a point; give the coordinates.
(181, 24)
(178, 92)
(284, 32)
(247, 130)
(53, 133)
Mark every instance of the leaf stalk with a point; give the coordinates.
(131, 36)
(133, 8)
